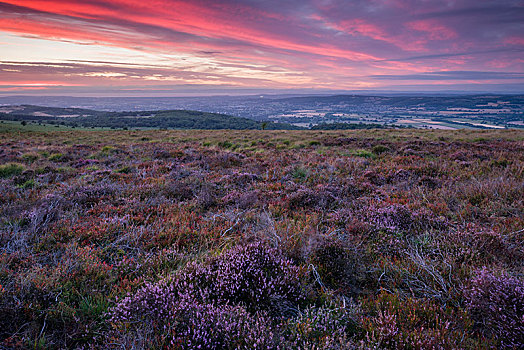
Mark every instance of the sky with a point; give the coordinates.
(170, 47)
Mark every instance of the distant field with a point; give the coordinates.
(284, 239)
(493, 110)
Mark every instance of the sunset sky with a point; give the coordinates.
(163, 47)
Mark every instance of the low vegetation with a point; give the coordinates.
(163, 119)
(363, 239)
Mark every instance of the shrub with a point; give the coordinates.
(27, 184)
(481, 247)
(206, 197)
(400, 219)
(125, 170)
(178, 190)
(220, 327)
(56, 157)
(106, 151)
(430, 182)
(226, 159)
(300, 174)
(46, 212)
(30, 157)
(338, 264)
(496, 304)
(244, 178)
(225, 144)
(395, 323)
(326, 327)
(256, 276)
(242, 200)
(86, 162)
(374, 177)
(364, 154)
(179, 320)
(394, 218)
(87, 195)
(11, 169)
(221, 302)
(379, 149)
(307, 198)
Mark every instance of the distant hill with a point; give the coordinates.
(431, 102)
(164, 119)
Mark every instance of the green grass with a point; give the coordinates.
(364, 154)
(30, 157)
(11, 169)
(28, 184)
(56, 157)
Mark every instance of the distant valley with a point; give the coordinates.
(163, 119)
(277, 112)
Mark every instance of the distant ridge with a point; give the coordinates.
(163, 119)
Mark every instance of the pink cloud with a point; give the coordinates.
(433, 30)
(514, 41)
(274, 43)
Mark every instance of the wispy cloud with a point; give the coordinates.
(324, 44)
(454, 75)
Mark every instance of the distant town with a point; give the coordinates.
(426, 112)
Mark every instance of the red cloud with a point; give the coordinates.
(201, 21)
(339, 44)
(433, 29)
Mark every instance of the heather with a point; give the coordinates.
(390, 239)
(496, 302)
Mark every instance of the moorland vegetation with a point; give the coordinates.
(368, 239)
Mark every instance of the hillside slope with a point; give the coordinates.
(164, 119)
